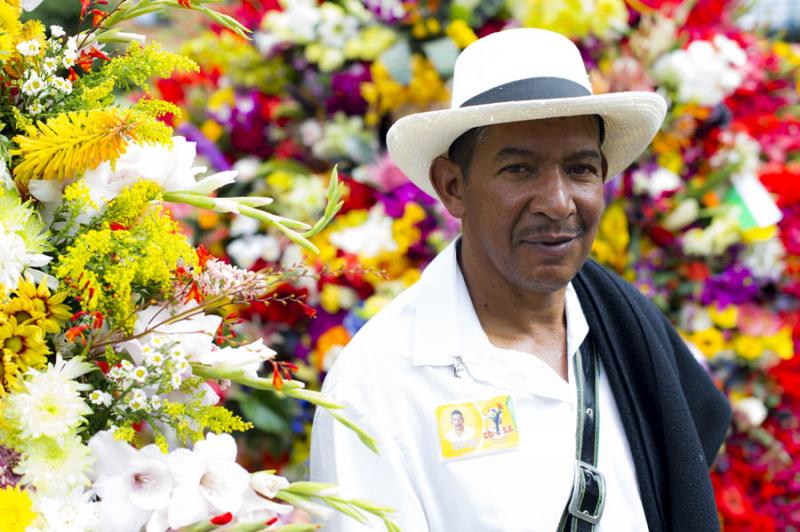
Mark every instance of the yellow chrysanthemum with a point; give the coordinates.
(15, 509)
(22, 347)
(724, 317)
(49, 310)
(611, 246)
(749, 347)
(461, 33)
(10, 27)
(709, 341)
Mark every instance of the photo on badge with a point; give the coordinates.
(477, 427)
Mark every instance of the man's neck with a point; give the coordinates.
(532, 322)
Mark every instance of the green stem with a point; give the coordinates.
(293, 389)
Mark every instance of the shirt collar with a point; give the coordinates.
(447, 326)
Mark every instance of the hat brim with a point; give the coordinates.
(631, 121)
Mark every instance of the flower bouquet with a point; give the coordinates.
(117, 335)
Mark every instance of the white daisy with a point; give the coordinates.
(153, 358)
(139, 374)
(50, 64)
(36, 108)
(33, 85)
(29, 48)
(137, 400)
(62, 84)
(98, 397)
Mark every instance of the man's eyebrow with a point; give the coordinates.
(583, 155)
(513, 151)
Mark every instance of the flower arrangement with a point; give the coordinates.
(704, 224)
(117, 334)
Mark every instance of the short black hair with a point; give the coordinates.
(462, 149)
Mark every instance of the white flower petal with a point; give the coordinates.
(209, 184)
(224, 484)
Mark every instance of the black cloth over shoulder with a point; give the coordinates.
(674, 417)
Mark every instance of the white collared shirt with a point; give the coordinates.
(401, 366)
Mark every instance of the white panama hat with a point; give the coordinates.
(523, 74)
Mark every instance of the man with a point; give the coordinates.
(595, 414)
(459, 434)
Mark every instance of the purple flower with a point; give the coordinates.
(736, 285)
(394, 201)
(346, 91)
(387, 11)
(205, 147)
(9, 459)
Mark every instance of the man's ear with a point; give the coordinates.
(448, 181)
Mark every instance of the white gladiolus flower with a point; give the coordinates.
(267, 484)
(208, 481)
(172, 168)
(131, 483)
(248, 358)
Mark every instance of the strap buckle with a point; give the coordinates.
(588, 493)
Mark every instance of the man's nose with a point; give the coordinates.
(553, 194)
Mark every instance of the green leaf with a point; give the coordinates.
(263, 417)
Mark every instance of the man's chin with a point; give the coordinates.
(544, 280)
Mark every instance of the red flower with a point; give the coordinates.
(227, 517)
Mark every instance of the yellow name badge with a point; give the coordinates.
(477, 427)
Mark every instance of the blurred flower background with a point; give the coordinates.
(706, 223)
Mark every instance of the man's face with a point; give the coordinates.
(532, 200)
(457, 421)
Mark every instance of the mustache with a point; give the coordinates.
(548, 229)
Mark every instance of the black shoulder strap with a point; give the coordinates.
(585, 506)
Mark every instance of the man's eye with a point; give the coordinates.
(582, 170)
(517, 169)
